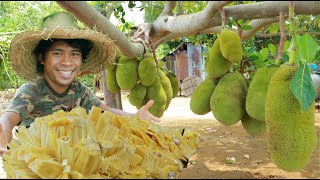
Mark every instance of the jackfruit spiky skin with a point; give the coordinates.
(230, 45)
(166, 84)
(156, 93)
(252, 126)
(127, 73)
(257, 92)
(217, 65)
(227, 102)
(137, 94)
(174, 82)
(291, 133)
(111, 79)
(200, 99)
(147, 70)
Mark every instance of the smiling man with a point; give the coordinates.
(51, 59)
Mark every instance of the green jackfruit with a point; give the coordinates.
(113, 64)
(217, 65)
(200, 99)
(228, 99)
(257, 92)
(157, 110)
(147, 70)
(230, 45)
(253, 126)
(127, 72)
(156, 92)
(111, 79)
(143, 102)
(137, 94)
(166, 84)
(291, 133)
(174, 83)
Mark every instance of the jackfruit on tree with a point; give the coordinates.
(147, 70)
(291, 132)
(111, 79)
(137, 94)
(253, 126)
(174, 83)
(217, 65)
(228, 99)
(230, 45)
(127, 72)
(257, 92)
(200, 99)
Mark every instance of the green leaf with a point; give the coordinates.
(272, 48)
(246, 27)
(307, 48)
(302, 87)
(264, 53)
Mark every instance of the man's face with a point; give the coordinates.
(61, 65)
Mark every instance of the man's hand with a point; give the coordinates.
(143, 112)
(3, 151)
(3, 141)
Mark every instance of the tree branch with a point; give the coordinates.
(95, 20)
(256, 25)
(279, 34)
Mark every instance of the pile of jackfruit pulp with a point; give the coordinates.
(145, 80)
(265, 106)
(72, 145)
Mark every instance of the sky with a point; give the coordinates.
(134, 16)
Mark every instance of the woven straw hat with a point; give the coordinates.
(24, 62)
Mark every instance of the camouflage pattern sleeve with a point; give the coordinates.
(23, 102)
(88, 99)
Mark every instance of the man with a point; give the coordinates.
(51, 59)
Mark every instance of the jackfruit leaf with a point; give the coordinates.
(272, 48)
(264, 53)
(307, 48)
(302, 87)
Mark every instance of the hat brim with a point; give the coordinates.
(24, 63)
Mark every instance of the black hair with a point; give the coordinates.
(43, 46)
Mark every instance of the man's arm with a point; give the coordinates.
(142, 113)
(7, 122)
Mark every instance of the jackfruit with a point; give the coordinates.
(228, 99)
(230, 45)
(127, 72)
(147, 70)
(291, 132)
(253, 126)
(257, 92)
(174, 83)
(137, 94)
(114, 63)
(217, 65)
(200, 99)
(157, 93)
(166, 84)
(111, 79)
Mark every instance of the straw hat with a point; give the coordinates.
(23, 60)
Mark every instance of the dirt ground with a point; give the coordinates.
(218, 143)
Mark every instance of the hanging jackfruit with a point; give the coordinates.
(137, 94)
(291, 132)
(230, 45)
(228, 99)
(200, 99)
(257, 92)
(253, 126)
(111, 79)
(147, 70)
(217, 65)
(127, 72)
(174, 82)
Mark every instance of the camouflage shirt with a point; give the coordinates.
(36, 99)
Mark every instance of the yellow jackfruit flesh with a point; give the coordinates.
(252, 126)
(230, 45)
(98, 145)
(228, 99)
(200, 99)
(127, 72)
(217, 65)
(291, 132)
(257, 92)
